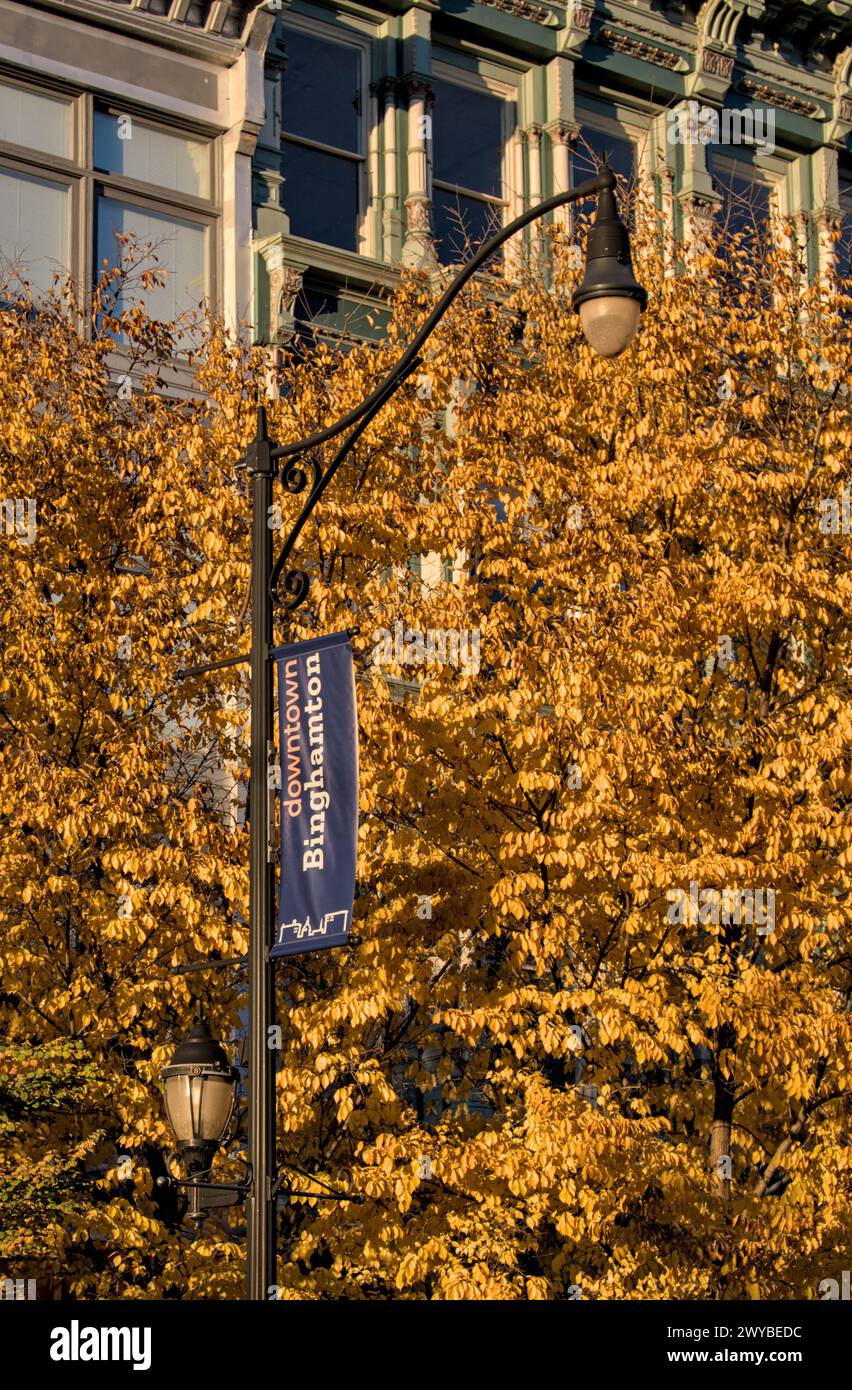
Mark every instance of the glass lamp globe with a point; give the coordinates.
(609, 300)
(199, 1089)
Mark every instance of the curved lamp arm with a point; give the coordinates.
(608, 274)
(595, 185)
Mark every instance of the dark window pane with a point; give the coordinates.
(320, 91)
(467, 131)
(461, 225)
(745, 206)
(321, 195)
(592, 145)
(318, 306)
(320, 309)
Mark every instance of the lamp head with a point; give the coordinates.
(609, 299)
(199, 1089)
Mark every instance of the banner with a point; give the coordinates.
(318, 749)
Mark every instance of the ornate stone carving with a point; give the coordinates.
(417, 249)
(839, 127)
(776, 96)
(717, 23)
(285, 286)
(526, 9)
(643, 49)
(717, 64)
(578, 24)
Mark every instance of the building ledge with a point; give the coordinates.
(164, 32)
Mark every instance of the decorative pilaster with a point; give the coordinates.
(391, 224)
(271, 217)
(697, 199)
(839, 128)
(825, 182)
(562, 126)
(658, 183)
(562, 138)
(418, 251)
(246, 107)
(371, 233)
(717, 23)
(534, 134)
(285, 284)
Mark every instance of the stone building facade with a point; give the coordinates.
(286, 158)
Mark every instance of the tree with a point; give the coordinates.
(42, 1150)
(592, 1036)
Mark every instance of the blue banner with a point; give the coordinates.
(318, 749)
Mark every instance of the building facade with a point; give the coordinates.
(285, 159)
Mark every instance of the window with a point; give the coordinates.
(61, 153)
(36, 120)
(606, 139)
(323, 138)
(179, 248)
(590, 148)
(325, 312)
(35, 211)
(153, 190)
(138, 151)
(34, 228)
(467, 182)
(746, 209)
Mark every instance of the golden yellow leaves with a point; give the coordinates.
(517, 1019)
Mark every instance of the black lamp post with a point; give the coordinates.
(609, 302)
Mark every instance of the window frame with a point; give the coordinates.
(509, 94)
(616, 127)
(148, 122)
(71, 183)
(367, 116)
(86, 182)
(145, 203)
(773, 175)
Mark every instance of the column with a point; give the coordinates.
(417, 250)
(391, 231)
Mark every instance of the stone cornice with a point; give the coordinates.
(165, 31)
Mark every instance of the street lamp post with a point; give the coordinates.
(609, 302)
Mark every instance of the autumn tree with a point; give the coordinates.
(43, 1159)
(591, 1036)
